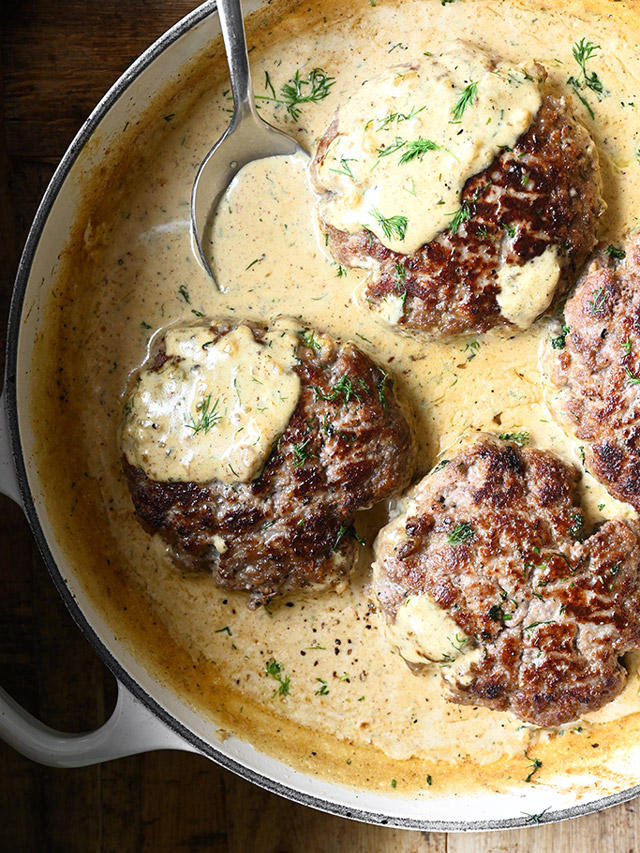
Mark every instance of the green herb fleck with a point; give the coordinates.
(343, 390)
(300, 90)
(519, 438)
(274, 670)
(577, 523)
(614, 572)
(323, 690)
(392, 226)
(615, 252)
(560, 341)
(631, 379)
(417, 149)
(308, 339)
(598, 300)
(225, 630)
(536, 764)
(536, 624)
(346, 530)
(462, 532)
(209, 416)
(463, 214)
(301, 453)
(469, 96)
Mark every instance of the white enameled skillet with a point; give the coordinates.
(149, 716)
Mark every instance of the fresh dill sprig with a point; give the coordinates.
(417, 148)
(397, 143)
(469, 96)
(392, 226)
(343, 390)
(463, 214)
(560, 341)
(274, 670)
(346, 168)
(301, 453)
(209, 416)
(615, 252)
(299, 90)
(519, 438)
(583, 51)
(462, 532)
(398, 118)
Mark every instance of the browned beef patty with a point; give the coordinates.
(544, 192)
(597, 366)
(495, 539)
(347, 446)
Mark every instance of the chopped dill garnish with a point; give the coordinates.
(346, 530)
(577, 523)
(274, 670)
(343, 390)
(519, 438)
(536, 764)
(301, 453)
(598, 300)
(308, 339)
(560, 341)
(615, 252)
(398, 118)
(462, 532)
(469, 96)
(583, 51)
(346, 168)
(323, 690)
(463, 214)
(209, 416)
(299, 90)
(417, 148)
(392, 226)
(390, 149)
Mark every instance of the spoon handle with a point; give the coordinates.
(235, 42)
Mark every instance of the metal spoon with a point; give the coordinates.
(247, 138)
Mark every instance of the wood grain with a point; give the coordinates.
(57, 59)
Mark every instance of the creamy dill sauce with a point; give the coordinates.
(214, 408)
(409, 139)
(141, 277)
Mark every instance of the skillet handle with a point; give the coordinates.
(131, 729)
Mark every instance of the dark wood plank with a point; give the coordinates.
(58, 58)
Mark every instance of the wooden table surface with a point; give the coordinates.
(57, 58)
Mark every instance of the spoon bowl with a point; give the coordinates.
(247, 138)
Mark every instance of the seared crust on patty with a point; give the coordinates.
(598, 371)
(550, 614)
(347, 446)
(545, 192)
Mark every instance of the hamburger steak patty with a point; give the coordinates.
(597, 366)
(544, 192)
(347, 446)
(495, 539)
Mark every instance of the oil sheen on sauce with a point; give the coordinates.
(139, 276)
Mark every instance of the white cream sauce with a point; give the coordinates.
(526, 291)
(214, 408)
(409, 139)
(491, 383)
